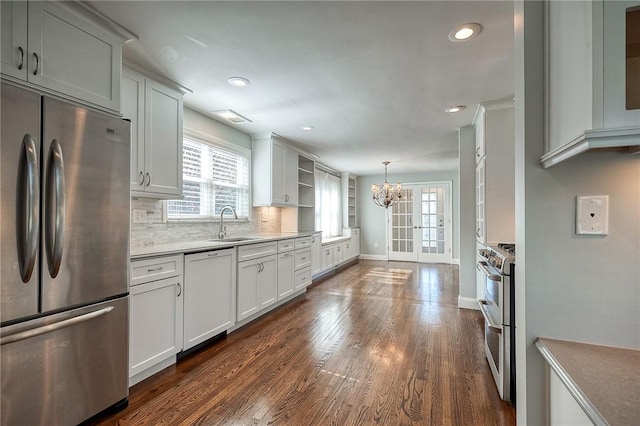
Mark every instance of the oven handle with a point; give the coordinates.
(493, 327)
(482, 266)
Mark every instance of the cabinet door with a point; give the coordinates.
(163, 139)
(209, 295)
(480, 149)
(13, 50)
(480, 196)
(247, 304)
(72, 56)
(285, 275)
(155, 323)
(291, 176)
(327, 258)
(278, 165)
(316, 254)
(268, 282)
(133, 109)
(355, 241)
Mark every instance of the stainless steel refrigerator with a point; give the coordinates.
(64, 256)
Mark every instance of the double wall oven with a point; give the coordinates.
(497, 267)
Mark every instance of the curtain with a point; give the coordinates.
(328, 204)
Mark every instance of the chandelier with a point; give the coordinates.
(386, 194)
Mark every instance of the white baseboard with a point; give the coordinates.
(468, 303)
(455, 261)
(373, 257)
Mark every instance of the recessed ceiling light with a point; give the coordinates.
(307, 128)
(231, 115)
(455, 108)
(465, 32)
(238, 81)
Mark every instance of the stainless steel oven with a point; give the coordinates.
(497, 265)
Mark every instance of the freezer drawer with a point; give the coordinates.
(65, 375)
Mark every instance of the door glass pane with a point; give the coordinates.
(402, 223)
(432, 220)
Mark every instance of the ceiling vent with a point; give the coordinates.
(231, 115)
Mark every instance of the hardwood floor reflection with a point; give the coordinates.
(378, 343)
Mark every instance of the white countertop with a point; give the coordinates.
(204, 245)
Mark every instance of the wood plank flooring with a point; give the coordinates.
(380, 343)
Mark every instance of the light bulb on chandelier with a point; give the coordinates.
(386, 195)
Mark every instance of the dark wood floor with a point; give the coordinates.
(379, 343)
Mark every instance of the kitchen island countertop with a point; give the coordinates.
(604, 380)
(204, 245)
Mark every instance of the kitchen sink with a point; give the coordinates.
(233, 239)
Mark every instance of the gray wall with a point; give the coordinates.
(570, 287)
(467, 213)
(372, 218)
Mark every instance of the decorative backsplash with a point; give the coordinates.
(155, 230)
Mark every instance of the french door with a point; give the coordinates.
(420, 224)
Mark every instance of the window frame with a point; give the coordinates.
(224, 145)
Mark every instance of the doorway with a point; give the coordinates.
(419, 225)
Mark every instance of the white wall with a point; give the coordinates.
(467, 213)
(372, 218)
(568, 286)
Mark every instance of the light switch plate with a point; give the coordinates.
(592, 215)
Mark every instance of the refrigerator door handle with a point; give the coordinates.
(28, 208)
(55, 208)
(68, 322)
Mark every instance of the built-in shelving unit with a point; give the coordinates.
(306, 193)
(349, 200)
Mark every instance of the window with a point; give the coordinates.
(328, 204)
(213, 177)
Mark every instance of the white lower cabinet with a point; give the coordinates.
(257, 285)
(209, 295)
(327, 258)
(316, 253)
(285, 274)
(155, 316)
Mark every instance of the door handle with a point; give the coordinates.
(28, 208)
(21, 62)
(10, 338)
(492, 326)
(35, 70)
(148, 179)
(141, 178)
(179, 290)
(54, 236)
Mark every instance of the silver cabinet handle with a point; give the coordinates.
(28, 208)
(492, 326)
(313, 240)
(21, 62)
(214, 254)
(179, 290)
(303, 258)
(478, 232)
(54, 208)
(35, 70)
(286, 255)
(148, 179)
(159, 268)
(53, 327)
(141, 178)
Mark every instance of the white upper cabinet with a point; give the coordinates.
(587, 78)
(61, 48)
(156, 112)
(495, 172)
(275, 173)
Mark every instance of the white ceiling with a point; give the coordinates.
(372, 77)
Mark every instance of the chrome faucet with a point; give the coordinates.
(223, 230)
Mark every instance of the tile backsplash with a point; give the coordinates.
(155, 230)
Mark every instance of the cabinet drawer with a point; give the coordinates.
(302, 278)
(147, 270)
(303, 259)
(286, 245)
(303, 242)
(253, 251)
